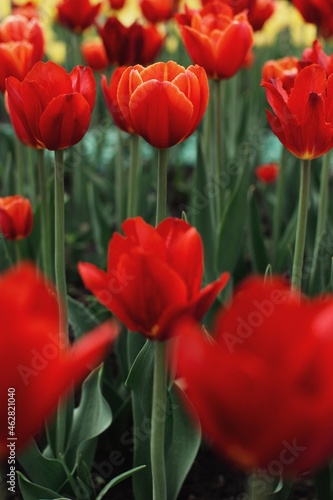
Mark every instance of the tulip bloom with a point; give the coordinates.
(157, 11)
(216, 39)
(28, 10)
(264, 389)
(116, 4)
(318, 12)
(316, 55)
(21, 46)
(267, 173)
(285, 69)
(303, 120)
(77, 15)
(16, 217)
(38, 366)
(164, 103)
(260, 12)
(94, 55)
(110, 97)
(154, 276)
(51, 108)
(128, 45)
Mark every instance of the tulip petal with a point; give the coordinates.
(110, 97)
(199, 48)
(65, 121)
(83, 81)
(232, 48)
(160, 113)
(312, 79)
(163, 72)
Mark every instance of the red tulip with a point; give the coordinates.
(157, 11)
(153, 277)
(236, 5)
(110, 97)
(127, 45)
(116, 4)
(260, 12)
(51, 108)
(285, 69)
(267, 173)
(28, 10)
(94, 55)
(21, 46)
(318, 12)
(303, 120)
(318, 56)
(264, 389)
(16, 217)
(34, 355)
(77, 15)
(216, 39)
(164, 103)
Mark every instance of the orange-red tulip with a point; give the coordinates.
(263, 388)
(51, 108)
(154, 276)
(77, 15)
(16, 218)
(258, 10)
(164, 103)
(110, 97)
(21, 46)
(216, 39)
(28, 10)
(128, 45)
(37, 365)
(94, 55)
(303, 119)
(285, 69)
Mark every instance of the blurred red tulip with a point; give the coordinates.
(77, 15)
(316, 55)
(285, 69)
(21, 46)
(236, 5)
(157, 11)
(264, 388)
(267, 173)
(303, 119)
(16, 218)
(216, 39)
(28, 10)
(154, 276)
(128, 45)
(51, 108)
(38, 366)
(117, 4)
(260, 12)
(318, 12)
(94, 55)
(163, 103)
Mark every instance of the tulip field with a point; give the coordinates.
(166, 249)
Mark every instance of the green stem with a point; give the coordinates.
(296, 279)
(44, 216)
(259, 488)
(119, 181)
(321, 216)
(162, 185)
(158, 423)
(133, 177)
(278, 206)
(19, 167)
(160, 369)
(218, 127)
(31, 174)
(18, 256)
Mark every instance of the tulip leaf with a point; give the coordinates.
(257, 242)
(92, 417)
(31, 491)
(117, 480)
(80, 317)
(231, 230)
(46, 472)
(183, 439)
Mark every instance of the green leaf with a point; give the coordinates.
(92, 417)
(117, 480)
(231, 231)
(80, 317)
(257, 242)
(140, 377)
(31, 491)
(41, 470)
(183, 439)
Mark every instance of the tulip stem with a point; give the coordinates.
(133, 176)
(19, 167)
(44, 216)
(280, 192)
(160, 370)
(321, 217)
(161, 185)
(59, 224)
(296, 279)
(218, 161)
(158, 423)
